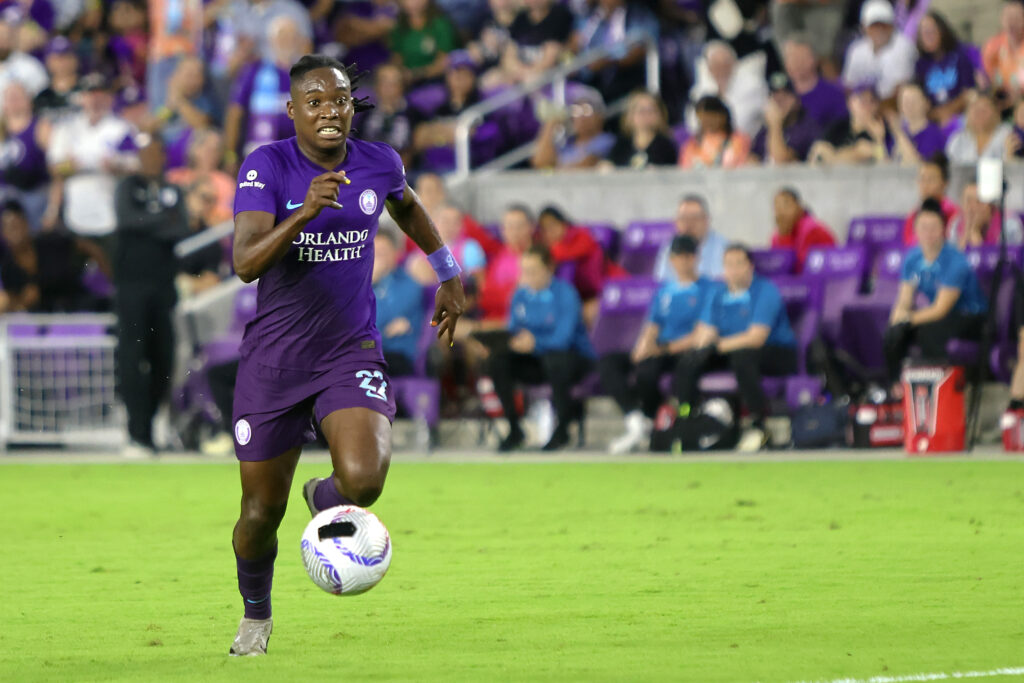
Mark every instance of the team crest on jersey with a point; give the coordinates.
(243, 432)
(368, 202)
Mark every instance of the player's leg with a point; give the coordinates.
(896, 344)
(1017, 381)
(686, 376)
(506, 369)
(614, 370)
(360, 442)
(130, 305)
(563, 370)
(265, 488)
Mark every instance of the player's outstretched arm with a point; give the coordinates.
(412, 218)
(260, 243)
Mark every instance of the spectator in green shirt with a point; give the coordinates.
(421, 40)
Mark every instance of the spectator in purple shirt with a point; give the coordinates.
(391, 120)
(789, 131)
(915, 136)
(364, 27)
(822, 99)
(943, 68)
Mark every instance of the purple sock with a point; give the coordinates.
(327, 495)
(255, 578)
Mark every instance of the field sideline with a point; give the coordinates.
(583, 569)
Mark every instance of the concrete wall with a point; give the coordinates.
(974, 20)
(740, 200)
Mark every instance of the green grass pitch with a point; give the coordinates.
(645, 571)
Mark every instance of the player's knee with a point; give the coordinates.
(261, 517)
(360, 483)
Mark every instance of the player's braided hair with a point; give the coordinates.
(313, 62)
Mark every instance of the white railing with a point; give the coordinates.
(556, 78)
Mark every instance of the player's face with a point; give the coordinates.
(737, 270)
(787, 213)
(516, 230)
(685, 265)
(533, 273)
(930, 182)
(552, 230)
(691, 220)
(321, 107)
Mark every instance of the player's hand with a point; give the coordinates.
(523, 342)
(397, 327)
(322, 193)
(449, 303)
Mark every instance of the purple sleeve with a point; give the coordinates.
(257, 184)
(242, 91)
(397, 183)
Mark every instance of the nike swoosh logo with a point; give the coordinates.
(291, 206)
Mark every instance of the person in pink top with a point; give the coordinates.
(502, 276)
(932, 183)
(979, 223)
(796, 228)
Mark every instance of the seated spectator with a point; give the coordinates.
(744, 328)
(127, 46)
(882, 56)
(434, 196)
(467, 251)
(549, 345)
(250, 22)
(694, 220)
(932, 183)
(364, 26)
(23, 142)
(863, 138)
(539, 35)
(42, 273)
(669, 332)
(716, 144)
(607, 27)
(421, 40)
(391, 120)
(187, 108)
(88, 151)
(943, 68)
(915, 136)
(980, 223)
(1003, 54)
(462, 93)
(939, 272)
(213, 189)
(494, 39)
(818, 22)
(16, 65)
(797, 229)
(502, 275)
(258, 113)
(1015, 140)
(399, 306)
(645, 139)
(983, 136)
(789, 131)
(823, 100)
(570, 244)
(587, 144)
(55, 100)
(738, 83)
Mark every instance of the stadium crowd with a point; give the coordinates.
(122, 125)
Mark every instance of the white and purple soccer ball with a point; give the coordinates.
(346, 550)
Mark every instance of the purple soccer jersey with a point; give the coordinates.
(316, 304)
(313, 344)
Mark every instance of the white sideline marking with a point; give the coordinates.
(1009, 671)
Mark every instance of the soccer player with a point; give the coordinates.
(306, 214)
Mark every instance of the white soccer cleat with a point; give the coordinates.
(753, 440)
(637, 433)
(308, 489)
(252, 638)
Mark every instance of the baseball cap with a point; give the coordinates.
(683, 244)
(584, 94)
(877, 12)
(460, 59)
(59, 46)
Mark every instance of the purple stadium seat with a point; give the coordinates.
(876, 234)
(607, 235)
(96, 282)
(419, 397)
(623, 309)
(983, 261)
(773, 262)
(427, 99)
(838, 274)
(641, 241)
(484, 145)
(885, 281)
(965, 352)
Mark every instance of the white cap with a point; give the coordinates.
(877, 12)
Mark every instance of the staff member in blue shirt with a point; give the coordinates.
(744, 327)
(399, 306)
(549, 344)
(939, 272)
(668, 333)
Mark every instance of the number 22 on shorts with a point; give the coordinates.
(369, 377)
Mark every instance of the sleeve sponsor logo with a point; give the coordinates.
(250, 180)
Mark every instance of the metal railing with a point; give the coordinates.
(556, 78)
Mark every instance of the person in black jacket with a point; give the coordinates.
(645, 139)
(151, 218)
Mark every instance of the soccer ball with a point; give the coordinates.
(346, 550)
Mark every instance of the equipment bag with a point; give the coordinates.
(818, 426)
